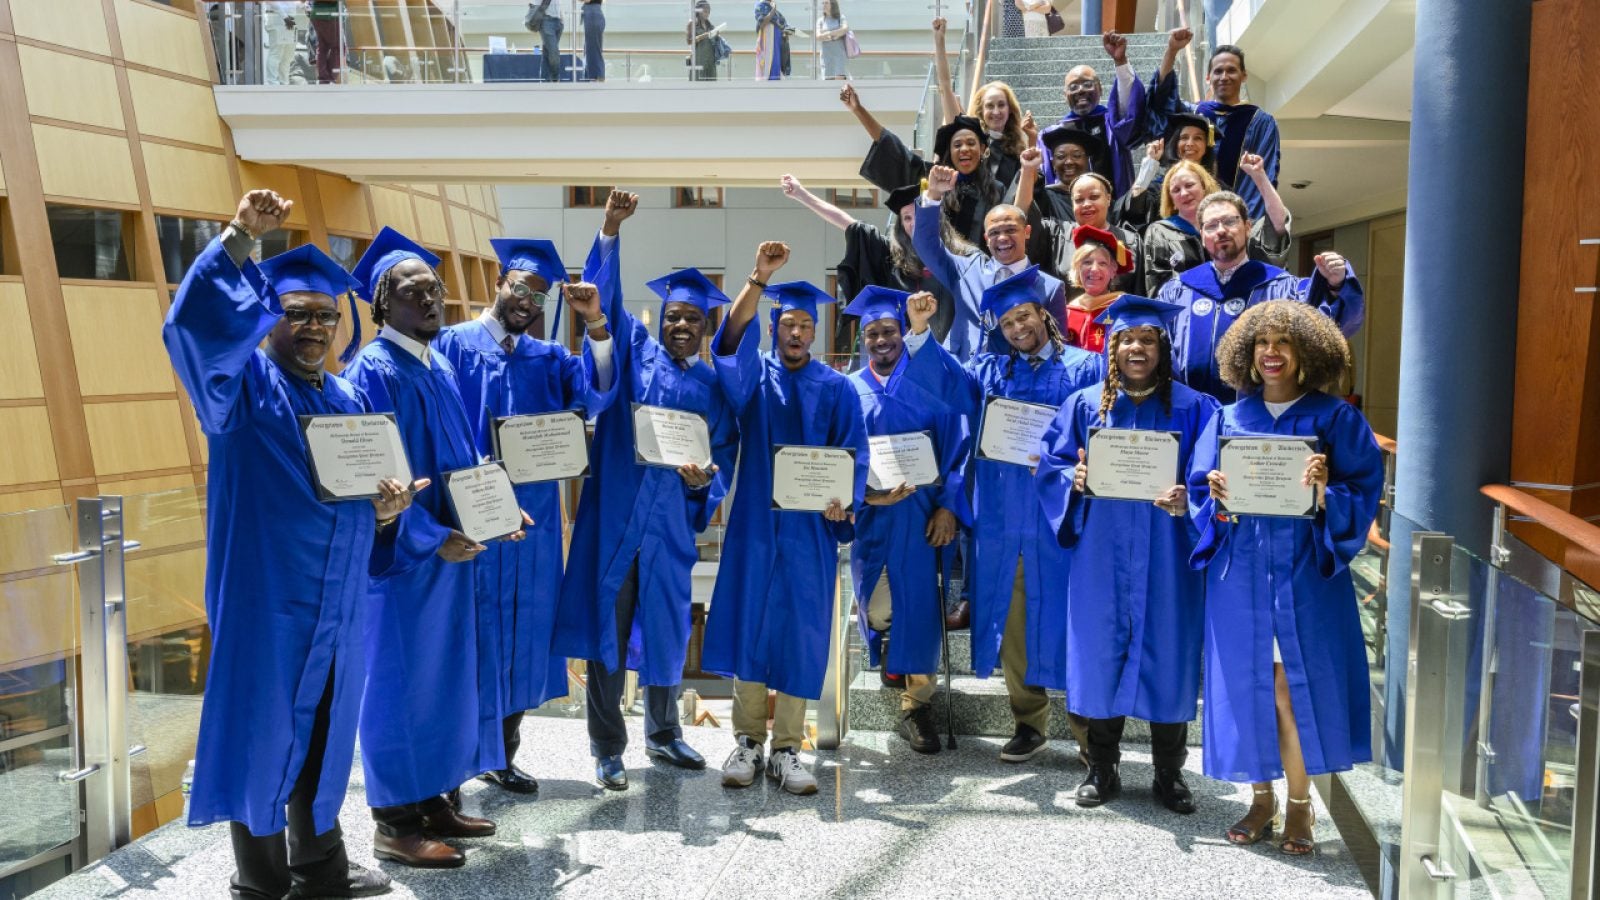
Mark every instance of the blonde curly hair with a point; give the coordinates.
(1320, 349)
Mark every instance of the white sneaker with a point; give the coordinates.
(784, 766)
(742, 765)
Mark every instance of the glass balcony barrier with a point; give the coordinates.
(415, 42)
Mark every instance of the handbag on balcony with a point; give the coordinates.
(852, 47)
(1054, 22)
(534, 20)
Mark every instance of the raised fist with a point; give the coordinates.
(941, 181)
(261, 211)
(770, 257)
(920, 309)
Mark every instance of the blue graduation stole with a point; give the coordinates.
(1202, 279)
(1232, 122)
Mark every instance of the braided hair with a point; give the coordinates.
(1108, 394)
(380, 299)
(1052, 333)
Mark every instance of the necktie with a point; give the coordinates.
(1035, 361)
(509, 342)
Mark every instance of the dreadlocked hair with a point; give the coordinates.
(380, 301)
(1052, 333)
(1108, 394)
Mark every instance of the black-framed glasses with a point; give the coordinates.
(327, 318)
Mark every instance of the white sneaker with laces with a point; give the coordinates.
(742, 765)
(785, 767)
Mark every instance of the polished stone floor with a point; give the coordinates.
(885, 823)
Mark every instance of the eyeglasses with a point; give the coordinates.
(417, 295)
(522, 292)
(327, 318)
(1082, 83)
(1218, 224)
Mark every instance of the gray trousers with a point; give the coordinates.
(608, 728)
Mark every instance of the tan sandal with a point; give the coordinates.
(1296, 845)
(1243, 833)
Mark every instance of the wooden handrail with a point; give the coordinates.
(983, 53)
(1386, 444)
(1571, 528)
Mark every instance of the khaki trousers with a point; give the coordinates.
(750, 716)
(880, 611)
(1029, 705)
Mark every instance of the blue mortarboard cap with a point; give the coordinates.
(528, 255)
(1131, 311)
(688, 286)
(874, 303)
(801, 295)
(1001, 298)
(307, 268)
(388, 249)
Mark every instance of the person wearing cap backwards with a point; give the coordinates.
(874, 258)
(1017, 566)
(1121, 126)
(625, 600)
(278, 725)
(772, 608)
(1133, 633)
(968, 276)
(503, 371)
(431, 715)
(961, 144)
(892, 560)
(1213, 295)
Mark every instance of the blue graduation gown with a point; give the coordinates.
(1133, 631)
(634, 512)
(895, 537)
(285, 612)
(1008, 521)
(1290, 578)
(518, 581)
(772, 608)
(1211, 308)
(431, 713)
(1240, 129)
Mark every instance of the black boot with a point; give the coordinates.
(916, 725)
(1102, 786)
(1171, 791)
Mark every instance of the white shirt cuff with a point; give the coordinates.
(603, 365)
(914, 342)
(1124, 84)
(606, 241)
(925, 200)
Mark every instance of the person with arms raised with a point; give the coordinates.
(1174, 244)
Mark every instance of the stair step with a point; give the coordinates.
(1009, 70)
(1079, 43)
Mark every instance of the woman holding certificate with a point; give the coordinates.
(1283, 488)
(1111, 479)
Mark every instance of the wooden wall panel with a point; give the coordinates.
(432, 190)
(71, 23)
(19, 364)
(190, 180)
(456, 192)
(28, 453)
(283, 179)
(116, 339)
(344, 204)
(86, 165)
(71, 88)
(20, 501)
(430, 221)
(161, 39)
(482, 230)
(461, 228)
(174, 109)
(136, 436)
(393, 208)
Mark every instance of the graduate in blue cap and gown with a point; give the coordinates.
(1286, 688)
(502, 372)
(431, 714)
(892, 560)
(278, 725)
(1017, 566)
(1214, 294)
(626, 597)
(772, 609)
(1133, 631)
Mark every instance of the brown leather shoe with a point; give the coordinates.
(449, 823)
(417, 850)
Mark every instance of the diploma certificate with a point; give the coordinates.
(898, 459)
(670, 437)
(542, 447)
(1264, 475)
(1012, 429)
(485, 506)
(1130, 464)
(350, 454)
(807, 479)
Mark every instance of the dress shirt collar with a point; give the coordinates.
(410, 345)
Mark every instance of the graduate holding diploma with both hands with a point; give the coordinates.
(1133, 631)
(1286, 686)
(278, 726)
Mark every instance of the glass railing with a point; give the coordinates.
(643, 40)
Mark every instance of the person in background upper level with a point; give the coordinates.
(1122, 124)
(594, 41)
(702, 38)
(831, 29)
(1035, 17)
(327, 25)
(280, 19)
(1173, 243)
(769, 41)
(1241, 127)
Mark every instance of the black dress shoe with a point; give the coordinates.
(916, 726)
(1172, 792)
(361, 882)
(1023, 745)
(1102, 786)
(675, 752)
(450, 823)
(610, 774)
(512, 779)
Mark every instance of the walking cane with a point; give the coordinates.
(944, 632)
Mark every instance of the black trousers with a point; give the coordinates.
(608, 728)
(511, 732)
(406, 819)
(1169, 741)
(296, 857)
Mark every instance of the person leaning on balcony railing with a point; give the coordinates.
(1286, 686)
(326, 25)
(704, 43)
(278, 725)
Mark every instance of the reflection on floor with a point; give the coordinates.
(886, 823)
